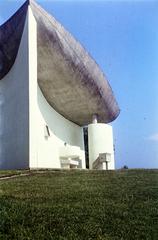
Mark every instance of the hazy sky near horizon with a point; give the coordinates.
(122, 37)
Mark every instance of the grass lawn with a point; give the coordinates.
(113, 205)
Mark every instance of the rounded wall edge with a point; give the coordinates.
(100, 140)
(67, 58)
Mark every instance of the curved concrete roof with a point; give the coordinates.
(69, 78)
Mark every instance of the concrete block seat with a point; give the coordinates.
(70, 157)
(101, 163)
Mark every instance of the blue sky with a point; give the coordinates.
(121, 36)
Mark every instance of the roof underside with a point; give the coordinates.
(69, 78)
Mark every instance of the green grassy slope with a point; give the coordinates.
(80, 205)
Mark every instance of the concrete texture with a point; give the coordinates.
(69, 78)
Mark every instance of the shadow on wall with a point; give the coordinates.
(85, 129)
(61, 127)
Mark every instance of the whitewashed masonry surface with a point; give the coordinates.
(42, 121)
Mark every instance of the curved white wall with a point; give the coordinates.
(44, 151)
(14, 111)
(24, 113)
(100, 140)
(61, 131)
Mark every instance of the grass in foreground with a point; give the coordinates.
(77, 205)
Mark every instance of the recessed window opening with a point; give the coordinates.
(46, 131)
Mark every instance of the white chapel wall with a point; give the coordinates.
(14, 125)
(44, 151)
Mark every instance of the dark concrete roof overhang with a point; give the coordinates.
(69, 78)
